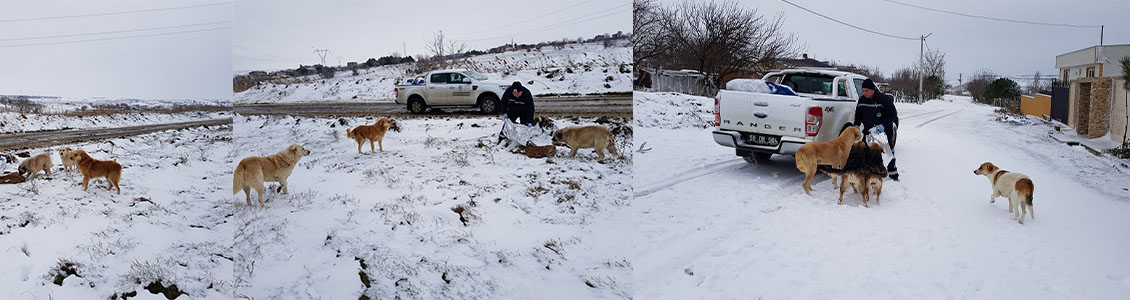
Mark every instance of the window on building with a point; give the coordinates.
(1064, 78)
(1090, 71)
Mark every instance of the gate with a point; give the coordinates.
(1060, 103)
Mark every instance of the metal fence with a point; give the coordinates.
(685, 81)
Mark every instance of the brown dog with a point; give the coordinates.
(833, 153)
(863, 172)
(534, 151)
(1018, 188)
(68, 164)
(93, 168)
(11, 178)
(253, 171)
(375, 132)
(576, 137)
(30, 167)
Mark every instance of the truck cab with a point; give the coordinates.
(450, 88)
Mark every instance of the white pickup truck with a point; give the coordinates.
(759, 125)
(455, 87)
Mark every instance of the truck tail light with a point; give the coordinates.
(812, 120)
(717, 114)
(396, 91)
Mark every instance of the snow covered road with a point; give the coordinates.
(708, 225)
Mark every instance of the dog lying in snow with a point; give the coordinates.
(1018, 188)
(833, 153)
(535, 151)
(253, 171)
(375, 132)
(863, 171)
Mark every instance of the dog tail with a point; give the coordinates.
(237, 180)
(1024, 187)
(349, 132)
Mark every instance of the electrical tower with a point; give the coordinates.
(322, 53)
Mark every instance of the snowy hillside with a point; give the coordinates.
(441, 214)
(709, 225)
(16, 123)
(578, 68)
(168, 227)
(58, 113)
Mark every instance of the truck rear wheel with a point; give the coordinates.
(488, 104)
(417, 106)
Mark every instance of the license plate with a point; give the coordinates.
(763, 140)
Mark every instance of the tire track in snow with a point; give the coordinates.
(688, 175)
(938, 118)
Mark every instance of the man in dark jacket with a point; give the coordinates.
(877, 110)
(518, 103)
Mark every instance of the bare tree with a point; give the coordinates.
(1038, 85)
(903, 83)
(441, 48)
(933, 64)
(721, 38)
(979, 83)
(646, 38)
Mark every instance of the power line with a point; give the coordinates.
(110, 32)
(534, 18)
(114, 38)
(263, 53)
(852, 26)
(112, 13)
(992, 18)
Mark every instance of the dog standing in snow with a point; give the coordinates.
(253, 171)
(1016, 187)
(576, 137)
(30, 167)
(833, 153)
(93, 168)
(375, 132)
(68, 164)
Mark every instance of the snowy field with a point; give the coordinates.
(59, 113)
(708, 225)
(588, 68)
(443, 213)
(11, 122)
(170, 226)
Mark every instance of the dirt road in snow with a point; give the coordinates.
(51, 138)
(551, 106)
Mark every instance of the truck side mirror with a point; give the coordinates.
(466, 80)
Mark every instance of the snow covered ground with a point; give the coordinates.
(11, 122)
(709, 225)
(588, 68)
(171, 224)
(441, 214)
(58, 113)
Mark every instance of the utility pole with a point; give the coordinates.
(922, 65)
(405, 48)
(322, 53)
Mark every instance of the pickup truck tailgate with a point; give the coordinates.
(762, 114)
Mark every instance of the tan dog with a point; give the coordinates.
(375, 132)
(30, 167)
(93, 168)
(68, 164)
(1017, 187)
(253, 171)
(576, 137)
(833, 153)
(534, 151)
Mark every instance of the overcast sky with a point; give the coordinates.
(193, 65)
(272, 35)
(970, 44)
